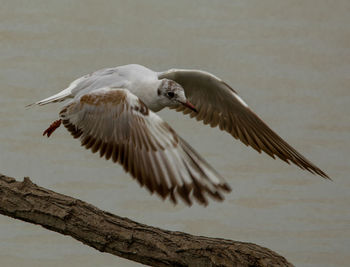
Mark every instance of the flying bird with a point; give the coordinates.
(112, 111)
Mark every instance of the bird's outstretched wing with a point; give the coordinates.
(219, 105)
(118, 124)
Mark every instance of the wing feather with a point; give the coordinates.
(219, 105)
(118, 125)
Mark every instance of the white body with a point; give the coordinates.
(138, 79)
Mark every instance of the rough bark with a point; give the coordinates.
(107, 232)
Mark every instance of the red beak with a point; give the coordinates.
(189, 105)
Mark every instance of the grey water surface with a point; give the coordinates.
(289, 60)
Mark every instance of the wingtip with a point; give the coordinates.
(317, 171)
(329, 178)
(30, 105)
(226, 187)
(325, 176)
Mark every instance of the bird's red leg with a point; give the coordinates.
(52, 128)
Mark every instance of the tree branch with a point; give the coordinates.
(122, 237)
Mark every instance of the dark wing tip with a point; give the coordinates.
(322, 174)
(226, 187)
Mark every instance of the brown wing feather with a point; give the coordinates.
(119, 126)
(219, 105)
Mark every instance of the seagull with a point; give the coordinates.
(112, 111)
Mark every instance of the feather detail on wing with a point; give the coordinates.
(219, 105)
(120, 126)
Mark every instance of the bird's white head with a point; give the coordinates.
(171, 94)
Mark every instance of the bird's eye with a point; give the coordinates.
(171, 94)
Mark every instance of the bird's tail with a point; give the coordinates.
(55, 98)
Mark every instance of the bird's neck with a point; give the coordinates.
(147, 92)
